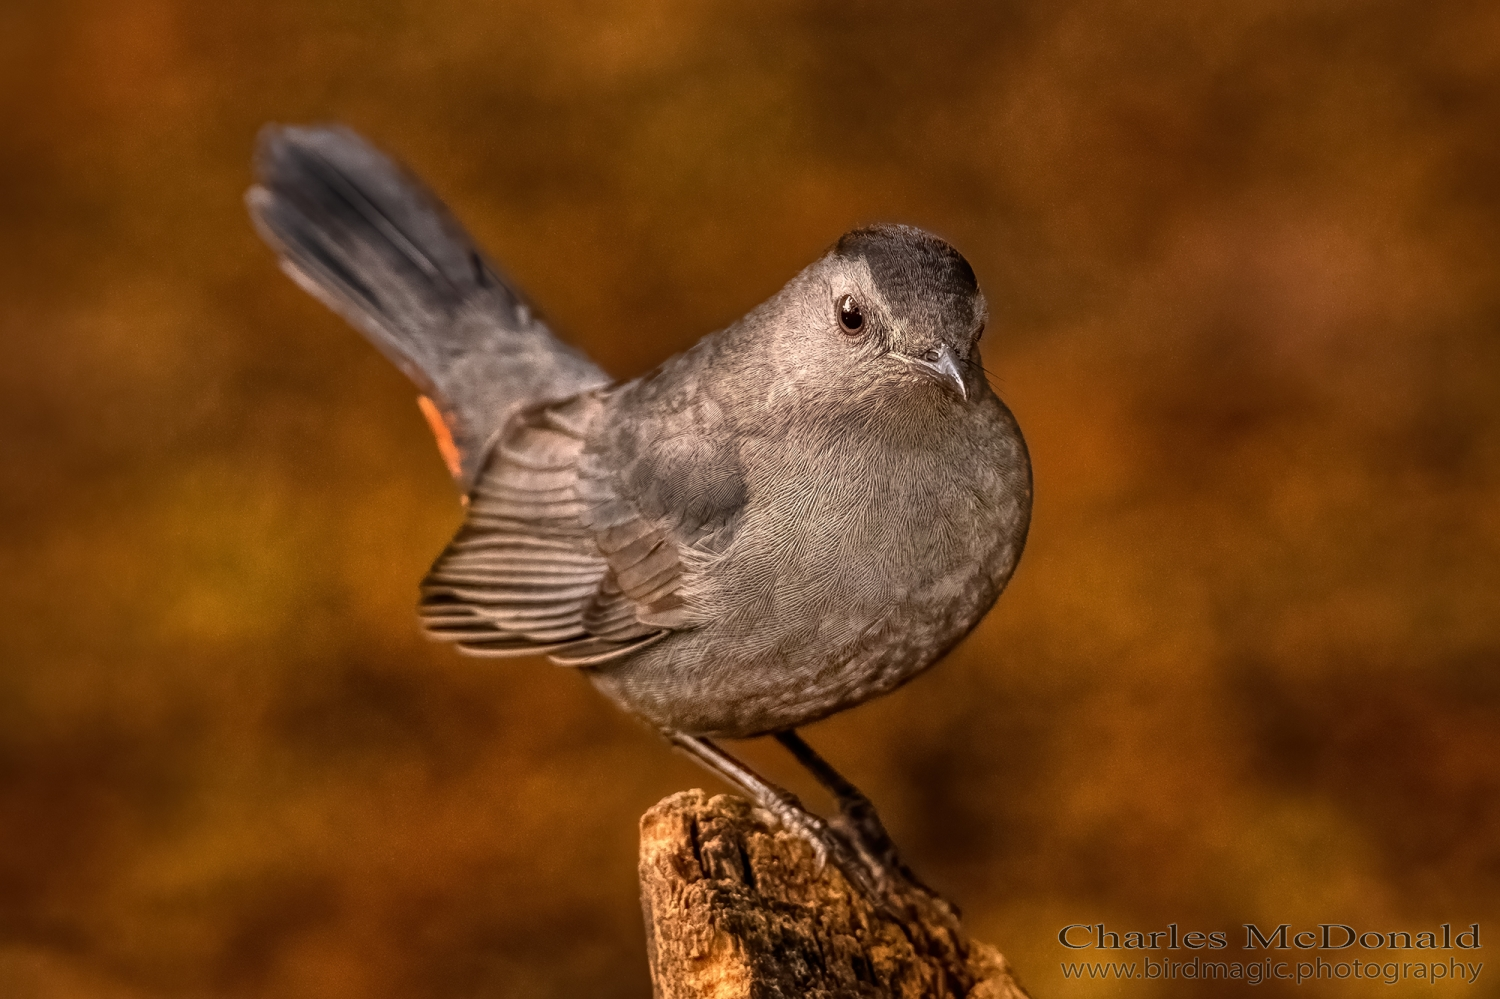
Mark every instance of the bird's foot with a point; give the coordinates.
(830, 841)
(859, 825)
(856, 841)
(857, 844)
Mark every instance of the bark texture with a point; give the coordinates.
(736, 909)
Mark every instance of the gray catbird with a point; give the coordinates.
(801, 512)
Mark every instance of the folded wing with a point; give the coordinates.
(587, 539)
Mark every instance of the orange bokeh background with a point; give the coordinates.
(1243, 262)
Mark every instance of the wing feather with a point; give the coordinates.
(525, 573)
(578, 525)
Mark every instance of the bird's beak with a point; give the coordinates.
(946, 367)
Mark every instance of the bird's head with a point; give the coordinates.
(893, 306)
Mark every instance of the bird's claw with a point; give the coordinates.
(835, 841)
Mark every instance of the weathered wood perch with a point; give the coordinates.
(735, 908)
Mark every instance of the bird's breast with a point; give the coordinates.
(840, 545)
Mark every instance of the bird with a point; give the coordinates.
(801, 512)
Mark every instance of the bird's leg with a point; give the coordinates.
(860, 821)
(827, 842)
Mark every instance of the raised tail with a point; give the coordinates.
(366, 238)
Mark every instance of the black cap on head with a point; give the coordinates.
(919, 274)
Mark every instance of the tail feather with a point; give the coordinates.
(371, 242)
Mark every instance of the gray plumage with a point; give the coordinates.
(786, 520)
(370, 242)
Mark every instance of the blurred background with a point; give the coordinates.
(1243, 263)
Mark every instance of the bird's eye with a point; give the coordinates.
(850, 318)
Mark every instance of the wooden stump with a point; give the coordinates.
(735, 908)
